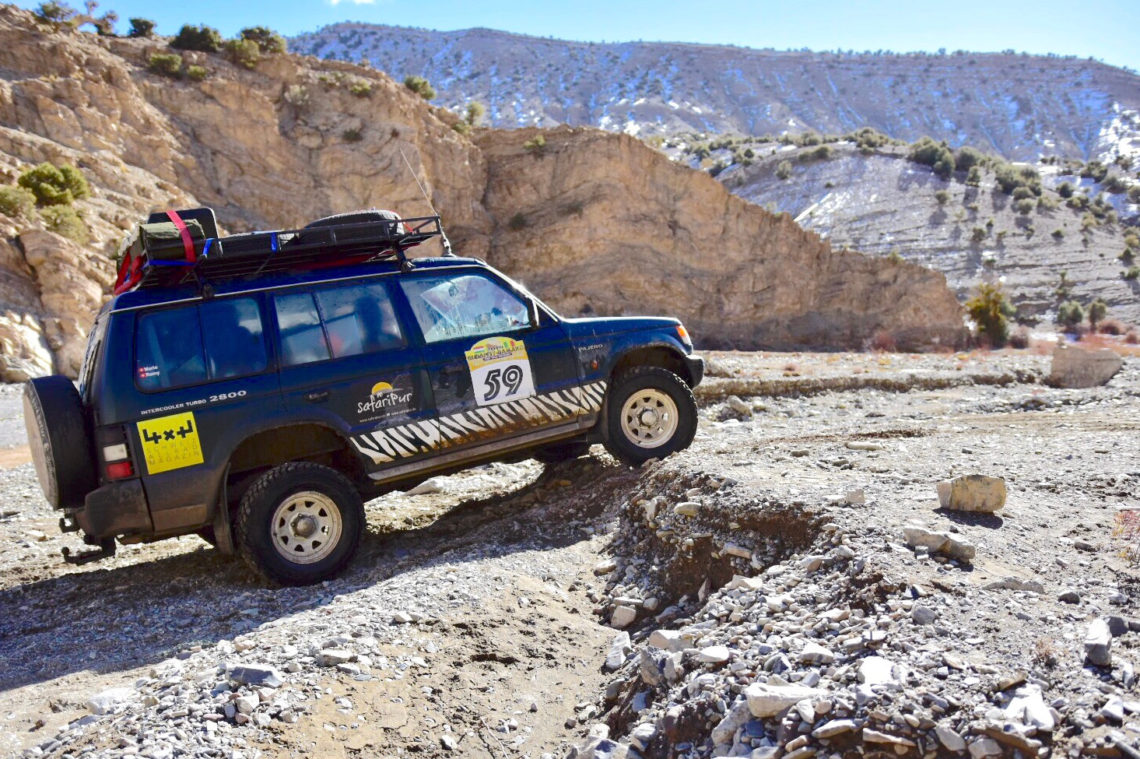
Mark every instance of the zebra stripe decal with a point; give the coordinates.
(405, 440)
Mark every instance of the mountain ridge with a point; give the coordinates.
(1005, 103)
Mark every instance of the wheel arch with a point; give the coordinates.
(659, 354)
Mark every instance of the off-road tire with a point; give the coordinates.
(559, 452)
(658, 380)
(254, 530)
(59, 439)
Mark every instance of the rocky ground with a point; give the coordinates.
(768, 599)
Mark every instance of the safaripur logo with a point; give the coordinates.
(384, 397)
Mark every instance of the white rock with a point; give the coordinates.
(619, 649)
(834, 727)
(1028, 707)
(1098, 643)
(972, 492)
(670, 640)
(687, 509)
(950, 739)
(726, 729)
(110, 700)
(623, 616)
(875, 670)
(732, 549)
(714, 655)
(813, 653)
(331, 657)
(605, 567)
(432, 485)
(246, 704)
(768, 700)
(983, 747)
(856, 498)
(923, 615)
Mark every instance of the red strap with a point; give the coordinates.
(187, 241)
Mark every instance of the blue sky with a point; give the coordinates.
(1105, 30)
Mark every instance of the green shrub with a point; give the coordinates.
(1115, 184)
(1094, 170)
(942, 196)
(895, 257)
(535, 145)
(297, 95)
(244, 53)
(141, 27)
(977, 234)
(1010, 177)
(517, 222)
(420, 86)
(1070, 314)
(936, 155)
(55, 14)
(352, 135)
(974, 176)
(474, 112)
(1134, 193)
(1132, 239)
(1065, 189)
(267, 40)
(1078, 202)
(1132, 273)
(867, 139)
(967, 158)
(784, 169)
(362, 88)
(17, 201)
(165, 64)
(821, 153)
(65, 222)
(462, 127)
(203, 38)
(1047, 203)
(54, 185)
(1024, 206)
(990, 310)
(1058, 234)
(1098, 309)
(196, 73)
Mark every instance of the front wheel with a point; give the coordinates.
(299, 523)
(650, 413)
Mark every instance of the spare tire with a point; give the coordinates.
(59, 440)
(356, 217)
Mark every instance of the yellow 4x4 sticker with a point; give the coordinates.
(170, 442)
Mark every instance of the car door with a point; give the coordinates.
(497, 374)
(346, 361)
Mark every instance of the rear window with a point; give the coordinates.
(219, 339)
(336, 322)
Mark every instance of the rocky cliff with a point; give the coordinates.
(595, 222)
(1019, 106)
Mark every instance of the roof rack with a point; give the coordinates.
(182, 251)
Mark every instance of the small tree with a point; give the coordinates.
(202, 38)
(990, 309)
(1098, 309)
(536, 145)
(267, 40)
(420, 86)
(942, 196)
(474, 112)
(56, 14)
(784, 169)
(141, 27)
(1070, 315)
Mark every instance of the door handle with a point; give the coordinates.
(317, 396)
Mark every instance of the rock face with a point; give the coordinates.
(595, 222)
(1075, 366)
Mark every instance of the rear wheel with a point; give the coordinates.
(650, 413)
(300, 523)
(59, 441)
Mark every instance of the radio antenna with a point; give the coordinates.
(442, 235)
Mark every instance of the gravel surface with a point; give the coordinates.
(756, 595)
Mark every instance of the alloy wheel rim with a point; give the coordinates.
(649, 418)
(306, 527)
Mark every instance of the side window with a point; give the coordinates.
(232, 333)
(302, 338)
(359, 319)
(168, 350)
(467, 305)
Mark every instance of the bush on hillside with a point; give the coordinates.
(535, 145)
(244, 53)
(1065, 189)
(202, 38)
(267, 40)
(1070, 314)
(17, 201)
(1010, 177)
(1094, 170)
(420, 86)
(196, 73)
(936, 155)
(1098, 309)
(65, 222)
(784, 169)
(54, 185)
(974, 176)
(165, 64)
(362, 88)
(867, 139)
(474, 112)
(141, 27)
(967, 158)
(55, 14)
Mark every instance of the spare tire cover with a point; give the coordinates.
(59, 441)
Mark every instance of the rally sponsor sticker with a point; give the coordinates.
(500, 370)
(387, 399)
(170, 442)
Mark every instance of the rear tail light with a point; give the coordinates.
(119, 469)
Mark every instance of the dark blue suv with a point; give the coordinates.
(255, 388)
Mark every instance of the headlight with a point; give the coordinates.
(684, 335)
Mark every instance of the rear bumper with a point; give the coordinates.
(696, 366)
(116, 509)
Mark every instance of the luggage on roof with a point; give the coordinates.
(174, 247)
